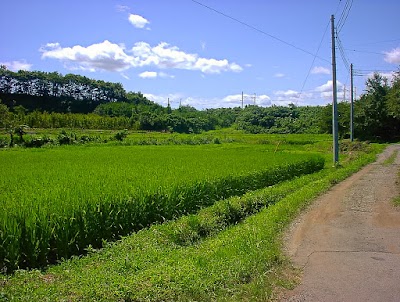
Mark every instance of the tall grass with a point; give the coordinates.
(57, 202)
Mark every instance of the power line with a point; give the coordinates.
(367, 72)
(337, 8)
(313, 61)
(377, 42)
(259, 30)
(362, 51)
(344, 15)
(342, 53)
(377, 70)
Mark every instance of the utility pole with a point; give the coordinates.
(351, 104)
(255, 96)
(334, 101)
(242, 99)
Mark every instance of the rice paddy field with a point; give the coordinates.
(134, 216)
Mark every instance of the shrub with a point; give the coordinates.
(121, 135)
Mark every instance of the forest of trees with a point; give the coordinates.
(376, 113)
(50, 100)
(50, 91)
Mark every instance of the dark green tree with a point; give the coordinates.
(371, 118)
(393, 97)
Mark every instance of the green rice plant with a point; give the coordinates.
(74, 197)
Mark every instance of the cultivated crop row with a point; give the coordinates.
(57, 202)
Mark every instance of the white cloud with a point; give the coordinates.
(166, 56)
(263, 100)
(393, 56)
(17, 65)
(154, 74)
(286, 97)
(102, 56)
(318, 96)
(280, 98)
(215, 66)
(279, 75)
(235, 100)
(325, 87)
(197, 102)
(114, 57)
(124, 76)
(174, 99)
(326, 90)
(320, 70)
(138, 21)
(122, 8)
(165, 75)
(288, 94)
(203, 45)
(148, 75)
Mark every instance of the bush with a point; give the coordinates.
(121, 135)
(4, 142)
(66, 139)
(37, 142)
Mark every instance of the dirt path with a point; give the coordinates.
(348, 242)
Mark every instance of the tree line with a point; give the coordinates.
(376, 112)
(54, 92)
(108, 106)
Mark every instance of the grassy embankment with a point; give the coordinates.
(389, 161)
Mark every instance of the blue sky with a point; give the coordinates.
(193, 55)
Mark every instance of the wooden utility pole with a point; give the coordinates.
(335, 127)
(242, 99)
(351, 104)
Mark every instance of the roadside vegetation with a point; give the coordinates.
(396, 200)
(391, 159)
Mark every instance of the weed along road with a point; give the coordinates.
(347, 243)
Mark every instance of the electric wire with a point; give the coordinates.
(344, 15)
(368, 72)
(259, 30)
(377, 42)
(342, 53)
(313, 61)
(362, 51)
(340, 24)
